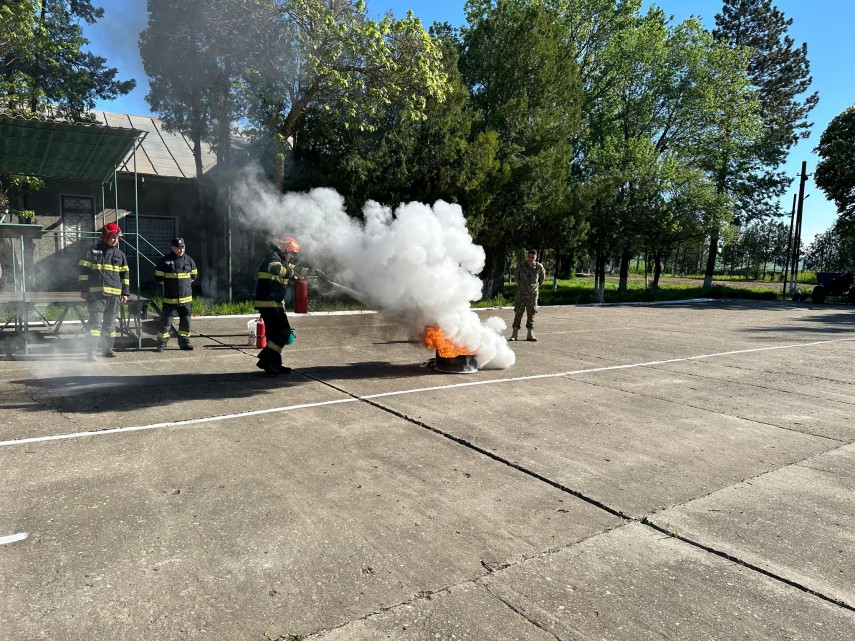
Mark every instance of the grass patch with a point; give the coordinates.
(581, 291)
(806, 277)
(575, 291)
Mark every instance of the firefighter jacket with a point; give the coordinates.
(104, 271)
(176, 273)
(273, 279)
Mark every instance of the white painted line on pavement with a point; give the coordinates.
(154, 426)
(417, 390)
(13, 538)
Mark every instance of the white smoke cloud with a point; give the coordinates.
(417, 265)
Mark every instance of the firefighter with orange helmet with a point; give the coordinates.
(275, 274)
(104, 283)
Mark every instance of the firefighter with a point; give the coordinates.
(275, 274)
(104, 283)
(176, 272)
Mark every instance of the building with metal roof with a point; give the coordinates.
(162, 153)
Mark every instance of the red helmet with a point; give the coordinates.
(288, 244)
(110, 229)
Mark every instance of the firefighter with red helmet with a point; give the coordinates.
(275, 274)
(104, 283)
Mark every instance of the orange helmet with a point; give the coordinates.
(110, 229)
(288, 244)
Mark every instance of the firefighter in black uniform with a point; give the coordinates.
(275, 274)
(104, 283)
(176, 271)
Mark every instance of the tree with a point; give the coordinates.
(43, 64)
(394, 158)
(834, 249)
(528, 99)
(686, 202)
(329, 50)
(835, 172)
(780, 73)
(663, 89)
(194, 53)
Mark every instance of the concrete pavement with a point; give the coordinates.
(677, 471)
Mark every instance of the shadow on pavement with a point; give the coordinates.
(828, 323)
(124, 393)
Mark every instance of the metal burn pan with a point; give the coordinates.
(462, 364)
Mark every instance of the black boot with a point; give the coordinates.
(160, 346)
(185, 345)
(269, 368)
(266, 362)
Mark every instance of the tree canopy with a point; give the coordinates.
(581, 126)
(835, 172)
(330, 50)
(43, 61)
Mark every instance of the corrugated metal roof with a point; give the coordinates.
(58, 149)
(162, 153)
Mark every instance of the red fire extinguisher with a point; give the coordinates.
(260, 337)
(301, 296)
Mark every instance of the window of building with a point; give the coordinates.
(156, 233)
(78, 219)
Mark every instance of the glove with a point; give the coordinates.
(321, 276)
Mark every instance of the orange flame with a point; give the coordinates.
(435, 339)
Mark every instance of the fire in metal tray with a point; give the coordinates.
(450, 358)
(460, 364)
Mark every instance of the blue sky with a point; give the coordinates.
(825, 25)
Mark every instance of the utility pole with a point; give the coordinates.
(798, 236)
(789, 247)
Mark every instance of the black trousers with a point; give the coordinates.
(276, 329)
(102, 319)
(185, 313)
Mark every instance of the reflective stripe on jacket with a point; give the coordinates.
(272, 279)
(176, 274)
(104, 270)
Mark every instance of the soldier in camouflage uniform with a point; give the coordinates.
(529, 275)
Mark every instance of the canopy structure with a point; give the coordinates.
(56, 149)
(63, 150)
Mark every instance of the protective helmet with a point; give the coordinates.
(110, 229)
(288, 244)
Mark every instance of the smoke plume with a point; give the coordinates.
(417, 265)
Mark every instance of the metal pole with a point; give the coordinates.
(24, 313)
(137, 238)
(229, 233)
(798, 235)
(789, 247)
(103, 206)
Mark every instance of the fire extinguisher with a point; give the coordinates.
(301, 296)
(260, 337)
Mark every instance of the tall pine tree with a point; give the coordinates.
(780, 71)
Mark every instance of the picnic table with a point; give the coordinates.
(25, 305)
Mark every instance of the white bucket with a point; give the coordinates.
(251, 326)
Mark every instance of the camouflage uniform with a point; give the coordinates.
(528, 286)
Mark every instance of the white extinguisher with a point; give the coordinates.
(250, 326)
